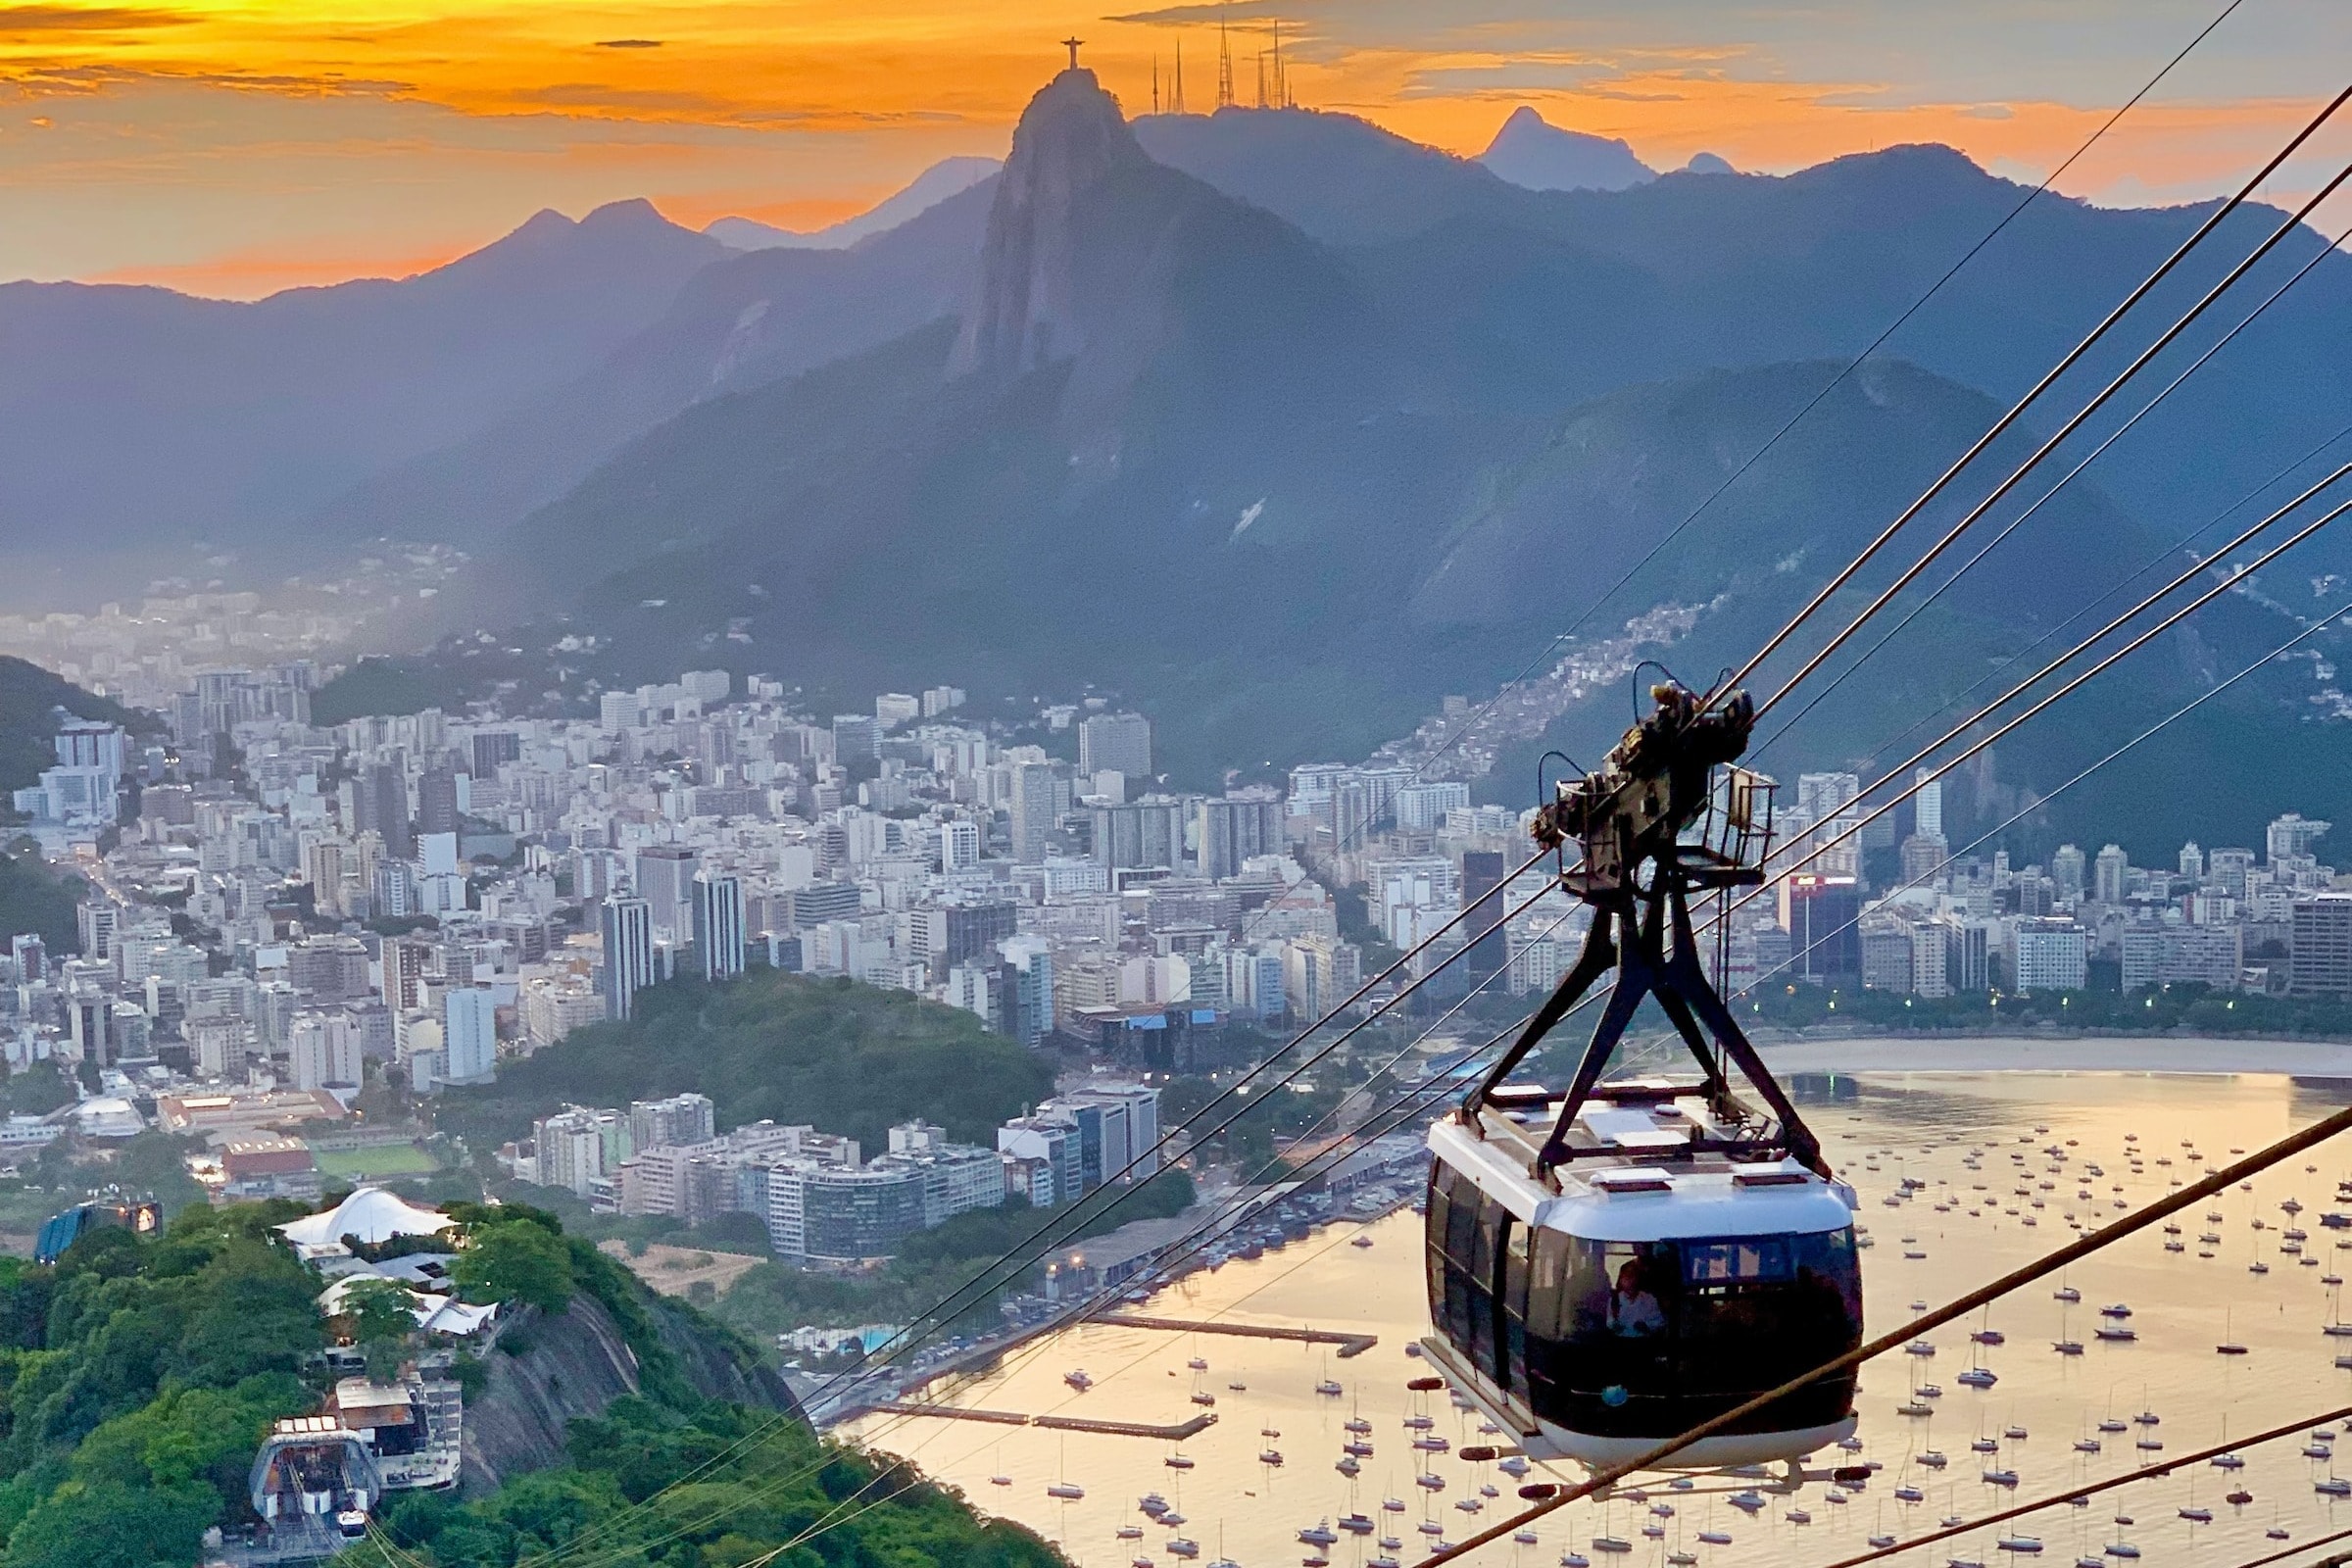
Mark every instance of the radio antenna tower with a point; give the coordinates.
(1176, 97)
(1261, 78)
(1155, 82)
(1224, 64)
(1282, 79)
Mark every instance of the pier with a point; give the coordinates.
(1348, 1345)
(1175, 1432)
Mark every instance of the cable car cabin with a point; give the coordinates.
(1650, 1291)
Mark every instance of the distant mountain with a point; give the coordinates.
(136, 420)
(1286, 492)
(933, 185)
(742, 321)
(1709, 164)
(1532, 153)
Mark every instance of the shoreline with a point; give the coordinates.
(2086, 1052)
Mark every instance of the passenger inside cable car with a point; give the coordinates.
(1642, 1339)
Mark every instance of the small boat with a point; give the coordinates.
(1575, 1559)
(1714, 1538)
(2067, 1347)
(1361, 1241)
(1066, 1491)
(2116, 1333)
(1178, 1461)
(2197, 1516)
(1430, 1482)
(1984, 1446)
(2012, 1431)
(1391, 1505)
(1151, 1503)
(1319, 1534)
(2000, 1478)
(2066, 1293)
(2114, 1309)
(1613, 1544)
(1357, 1524)
(2332, 1487)
(2111, 1424)
(1432, 1442)
(1130, 1531)
(1271, 1457)
(1198, 1364)
(1329, 1387)
(1797, 1516)
(1933, 1459)
(1357, 1451)
(1747, 1502)
(1525, 1538)
(1350, 1467)
(2232, 1348)
(2086, 1445)
(1909, 1494)
(2147, 1418)
(2239, 1499)
(2123, 1549)
(2026, 1545)
(1077, 1379)
(1181, 1548)
(2227, 1461)
(1881, 1542)
(1000, 1481)
(1989, 1336)
(1978, 1377)
(1356, 1424)
(1204, 1400)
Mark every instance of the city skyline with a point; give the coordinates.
(214, 150)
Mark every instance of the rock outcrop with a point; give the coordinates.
(577, 1362)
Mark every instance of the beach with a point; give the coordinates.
(2160, 1054)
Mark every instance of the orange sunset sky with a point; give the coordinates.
(232, 147)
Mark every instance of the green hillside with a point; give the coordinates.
(845, 1058)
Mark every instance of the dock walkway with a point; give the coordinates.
(1348, 1345)
(1058, 1423)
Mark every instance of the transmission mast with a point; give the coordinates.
(1224, 62)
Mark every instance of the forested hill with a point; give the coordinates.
(841, 1056)
(30, 697)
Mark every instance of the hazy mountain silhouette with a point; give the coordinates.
(943, 179)
(1288, 491)
(132, 418)
(742, 322)
(1529, 152)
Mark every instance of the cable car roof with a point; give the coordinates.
(1654, 1199)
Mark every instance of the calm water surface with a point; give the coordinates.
(1924, 1125)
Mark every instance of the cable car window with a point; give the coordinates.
(1440, 1188)
(1516, 1271)
(1743, 1260)
(1486, 1237)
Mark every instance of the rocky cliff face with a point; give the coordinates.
(578, 1362)
(1025, 310)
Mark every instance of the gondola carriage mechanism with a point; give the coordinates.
(1613, 1264)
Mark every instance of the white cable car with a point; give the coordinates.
(1613, 1264)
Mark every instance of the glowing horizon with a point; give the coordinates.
(232, 147)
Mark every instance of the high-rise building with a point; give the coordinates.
(677, 1122)
(2049, 956)
(617, 710)
(958, 844)
(2066, 870)
(324, 1048)
(718, 924)
(492, 747)
(386, 807)
(1822, 915)
(1482, 874)
(2292, 836)
(666, 882)
(472, 1034)
(1148, 833)
(404, 962)
(2109, 874)
(1237, 828)
(856, 738)
(2192, 861)
(2322, 944)
(438, 801)
(1040, 794)
(1926, 802)
(628, 933)
(1120, 743)
(96, 920)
